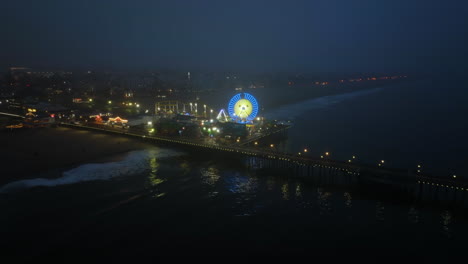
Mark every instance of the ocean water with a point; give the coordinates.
(161, 201)
(417, 122)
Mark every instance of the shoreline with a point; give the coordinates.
(278, 96)
(34, 153)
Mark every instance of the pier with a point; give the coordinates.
(319, 170)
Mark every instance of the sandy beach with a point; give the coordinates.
(25, 153)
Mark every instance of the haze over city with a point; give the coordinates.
(259, 36)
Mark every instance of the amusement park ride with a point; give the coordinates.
(242, 109)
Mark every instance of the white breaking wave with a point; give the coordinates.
(291, 111)
(135, 162)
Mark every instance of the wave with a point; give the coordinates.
(291, 111)
(135, 162)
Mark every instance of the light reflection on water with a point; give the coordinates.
(348, 200)
(210, 176)
(285, 191)
(298, 190)
(324, 202)
(413, 215)
(220, 197)
(446, 223)
(380, 211)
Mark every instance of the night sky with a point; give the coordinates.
(270, 35)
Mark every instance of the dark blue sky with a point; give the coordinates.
(270, 35)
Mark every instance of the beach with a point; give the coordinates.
(26, 153)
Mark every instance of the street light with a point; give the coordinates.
(305, 150)
(381, 163)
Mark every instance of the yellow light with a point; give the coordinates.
(383, 161)
(243, 108)
(256, 143)
(354, 157)
(109, 102)
(90, 99)
(305, 150)
(137, 105)
(326, 153)
(321, 156)
(271, 145)
(419, 166)
(454, 176)
(349, 160)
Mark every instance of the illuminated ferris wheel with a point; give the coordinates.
(243, 108)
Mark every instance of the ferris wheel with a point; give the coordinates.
(243, 108)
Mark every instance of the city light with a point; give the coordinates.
(305, 150)
(109, 102)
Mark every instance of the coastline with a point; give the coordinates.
(28, 153)
(280, 95)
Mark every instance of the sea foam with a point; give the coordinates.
(135, 162)
(291, 111)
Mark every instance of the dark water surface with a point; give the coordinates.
(167, 201)
(406, 124)
(180, 205)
